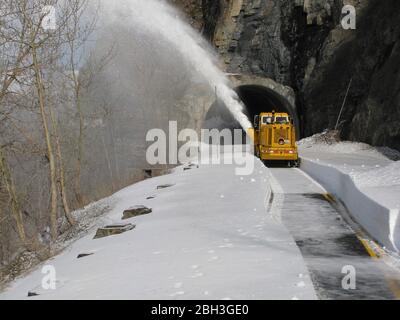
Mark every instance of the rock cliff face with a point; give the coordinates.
(301, 44)
(370, 56)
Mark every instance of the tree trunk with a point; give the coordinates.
(50, 153)
(77, 96)
(15, 206)
(80, 147)
(63, 189)
(107, 155)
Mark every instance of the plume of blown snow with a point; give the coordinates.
(157, 17)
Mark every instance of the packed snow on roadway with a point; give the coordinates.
(365, 178)
(209, 236)
(212, 234)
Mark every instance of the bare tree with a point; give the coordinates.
(80, 71)
(15, 34)
(27, 48)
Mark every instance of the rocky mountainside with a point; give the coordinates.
(301, 44)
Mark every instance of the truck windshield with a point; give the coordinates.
(281, 120)
(267, 120)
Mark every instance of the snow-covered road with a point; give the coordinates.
(209, 237)
(215, 235)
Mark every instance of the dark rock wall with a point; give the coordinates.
(371, 57)
(300, 43)
(211, 11)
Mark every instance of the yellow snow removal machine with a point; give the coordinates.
(275, 138)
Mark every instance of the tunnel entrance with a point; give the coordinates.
(257, 99)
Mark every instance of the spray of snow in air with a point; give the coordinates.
(158, 17)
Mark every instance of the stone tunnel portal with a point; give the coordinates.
(257, 99)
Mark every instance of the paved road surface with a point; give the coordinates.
(326, 241)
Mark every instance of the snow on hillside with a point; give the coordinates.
(208, 237)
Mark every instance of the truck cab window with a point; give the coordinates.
(281, 120)
(267, 120)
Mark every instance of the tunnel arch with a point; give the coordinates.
(258, 99)
(258, 95)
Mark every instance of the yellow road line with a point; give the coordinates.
(376, 253)
(367, 247)
(329, 197)
(393, 284)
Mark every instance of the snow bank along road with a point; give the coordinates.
(366, 179)
(215, 235)
(374, 207)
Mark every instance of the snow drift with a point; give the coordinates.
(382, 223)
(361, 176)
